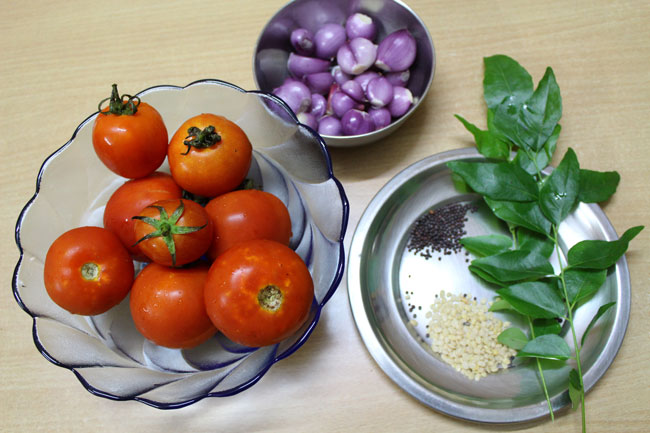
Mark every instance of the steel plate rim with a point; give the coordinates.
(390, 364)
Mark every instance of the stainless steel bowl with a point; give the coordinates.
(273, 48)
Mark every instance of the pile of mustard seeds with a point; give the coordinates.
(439, 230)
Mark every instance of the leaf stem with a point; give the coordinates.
(573, 331)
(541, 372)
(513, 233)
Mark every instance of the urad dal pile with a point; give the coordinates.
(465, 333)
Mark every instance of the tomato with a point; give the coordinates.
(173, 232)
(258, 292)
(167, 305)
(131, 145)
(245, 215)
(88, 271)
(209, 155)
(130, 198)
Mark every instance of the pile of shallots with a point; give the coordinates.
(342, 83)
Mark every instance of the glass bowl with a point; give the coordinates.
(106, 352)
(273, 48)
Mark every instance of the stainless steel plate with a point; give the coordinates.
(387, 284)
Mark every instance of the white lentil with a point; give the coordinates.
(464, 333)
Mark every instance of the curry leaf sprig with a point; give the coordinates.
(519, 144)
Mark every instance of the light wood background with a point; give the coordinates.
(60, 57)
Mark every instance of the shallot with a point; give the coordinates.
(396, 52)
(379, 92)
(356, 55)
(341, 103)
(318, 105)
(300, 66)
(295, 93)
(360, 26)
(319, 82)
(356, 122)
(380, 117)
(328, 39)
(329, 125)
(302, 41)
(353, 90)
(402, 101)
(308, 119)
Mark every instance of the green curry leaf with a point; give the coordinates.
(505, 79)
(560, 189)
(523, 214)
(548, 346)
(486, 245)
(537, 299)
(497, 180)
(596, 254)
(488, 143)
(597, 186)
(515, 265)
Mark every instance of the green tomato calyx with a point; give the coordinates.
(166, 227)
(126, 105)
(201, 139)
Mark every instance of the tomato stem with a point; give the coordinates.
(90, 271)
(270, 298)
(201, 138)
(118, 105)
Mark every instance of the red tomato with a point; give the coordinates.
(209, 161)
(173, 232)
(245, 215)
(88, 271)
(131, 145)
(167, 305)
(130, 198)
(258, 292)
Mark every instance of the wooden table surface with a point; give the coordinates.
(59, 59)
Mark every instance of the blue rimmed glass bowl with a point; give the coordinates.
(106, 352)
